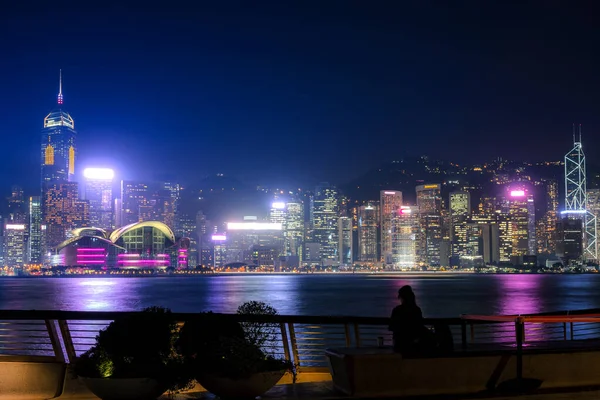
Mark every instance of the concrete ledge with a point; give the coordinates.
(31, 380)
(381, 372)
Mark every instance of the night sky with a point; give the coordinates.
(314, 90)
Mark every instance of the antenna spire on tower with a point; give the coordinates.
(60, 96)
(579, 133)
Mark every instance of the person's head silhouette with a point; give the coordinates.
(406, 295)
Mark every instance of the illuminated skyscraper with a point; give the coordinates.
(345, 235)
(389, 207)
(98, 192)
(325, 211)
(460, 211)
(277, 213)
(14, 244)
(64, 212)
(429, 203)
(17, 212)
(58, 156)
(36, 242)
(294, 229)
(368, 216)
(546, 226)
(517, 226)
(460, 204)
(576, 195)
(58, 150)
(134, 202)
(405, 232)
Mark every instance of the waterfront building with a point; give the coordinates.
(546, 226)
(576, 195)
(324, 214)
(36, 242)
(17, 212)
(98, 192)
(294, 229)
(277, 213)
(517, 226)
(345, 235)
(570, 235)
(134, 196)
(15, 249)
(429, 203)
(186, 227)
(405, 235)
(390, 203)
(242, 236)
(368, 216)
(490, 233)
(64, 211)
(58, 157)
(142, 245)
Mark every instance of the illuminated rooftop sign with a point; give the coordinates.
(278, 205)
(573, 212)
(254, 226)
(104, 174)
(517, 193)
(15, 227)
(431, 186)
(219, 237)
(389, 192)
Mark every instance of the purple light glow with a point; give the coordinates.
(81, 249)
(92, 255)
(143, 262)
(162, 255)
(128, 255)
(219, 237)
(89, 261)
(517, 193)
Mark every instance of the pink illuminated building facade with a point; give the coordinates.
(143, 245)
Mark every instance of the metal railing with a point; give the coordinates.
(61, 336)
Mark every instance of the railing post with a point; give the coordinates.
(463, 334)
(357, 335)
(571, 328)
(67, 340)
(347, 332)
(293, 343)
(564, 330)
(472, 332)
(55, 340)
(519, 336)
(285, 341)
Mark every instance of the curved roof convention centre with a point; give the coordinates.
(103, 236)
(117, 233)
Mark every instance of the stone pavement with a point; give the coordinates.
(324, 391)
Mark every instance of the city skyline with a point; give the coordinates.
(223, 87)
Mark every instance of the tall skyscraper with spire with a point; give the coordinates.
(58, 155)
(58, 144)
(576, 196)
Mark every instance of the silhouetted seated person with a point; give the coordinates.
(411, 337)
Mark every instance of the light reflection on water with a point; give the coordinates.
(367, 295)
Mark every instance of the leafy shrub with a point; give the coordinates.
(139, 345)
(218, 345)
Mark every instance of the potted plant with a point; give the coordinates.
(134, 358)
(232, 359)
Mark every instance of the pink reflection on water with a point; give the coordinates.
(519, 294)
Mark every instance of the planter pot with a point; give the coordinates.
(247, 388)
(124, 389)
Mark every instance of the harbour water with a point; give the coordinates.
(439, 295)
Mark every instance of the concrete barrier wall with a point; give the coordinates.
(31, 380)
(390, 375)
